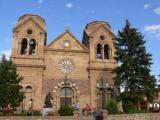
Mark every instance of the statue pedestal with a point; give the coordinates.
(105, 114)
(75, 113)
(45, 111)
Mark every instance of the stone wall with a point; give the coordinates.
(147, 116)
(46, 118)
(144, 116)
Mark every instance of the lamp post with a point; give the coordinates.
(102, 85)
(66, 83)
(65, 94)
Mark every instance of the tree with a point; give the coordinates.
(10, 90)
(133, 71)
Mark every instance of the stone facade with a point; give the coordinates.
(45, 67)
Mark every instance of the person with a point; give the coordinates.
(29, 113)
(78, 105)
(31, 104)
(74, 106)
(99, 116)
(94, 113)
(87, 109)
(83, 111)
(8, 109)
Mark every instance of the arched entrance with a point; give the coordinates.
(65, 94)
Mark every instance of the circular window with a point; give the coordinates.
(66, 66)
(66, 43)
(29, 31)
(102, 37)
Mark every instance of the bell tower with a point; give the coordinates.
(29, 36)
(99, 39)
(29, 40)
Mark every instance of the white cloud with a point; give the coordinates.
(152, 27)
(157, 11)
(153, 30)
(69, 5)
(7, 53)
(40, 2)
(146, 6)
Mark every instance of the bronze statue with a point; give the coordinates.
(48, 101)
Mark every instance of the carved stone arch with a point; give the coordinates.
(58, 87)
(30, 86)
(22, 86)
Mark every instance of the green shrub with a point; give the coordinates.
(24, 113)
(1, 114)
(136, 111)
(128, 106)
(65, 111)
(37, 113)
(20, 114)
(111, 107)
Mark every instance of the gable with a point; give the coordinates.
(31, 22)
(66, 41)
(103, 28)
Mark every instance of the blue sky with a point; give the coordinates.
(75, 14)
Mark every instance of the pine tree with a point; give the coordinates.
(10, 90)
(133, 71)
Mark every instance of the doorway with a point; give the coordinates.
(66, 95)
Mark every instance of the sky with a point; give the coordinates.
(75, 14)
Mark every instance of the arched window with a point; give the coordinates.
(24, 46)
(32, 44)
(28, 88)
(66, 92)
(106, 51)
(99, 51)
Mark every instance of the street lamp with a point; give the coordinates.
(102, 85)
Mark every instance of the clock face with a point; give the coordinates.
(66, 66)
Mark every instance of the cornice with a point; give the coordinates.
(66, 50)
(30, 65)
(26, 57)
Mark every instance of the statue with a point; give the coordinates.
(48, 101)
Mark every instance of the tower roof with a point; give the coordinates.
(97, 23)
(31, 15)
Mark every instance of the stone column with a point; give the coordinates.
(28, 47)
(102, 52)
(36, 49)
(75, 113)
(110, 55)
(105, 114)
(19, 47)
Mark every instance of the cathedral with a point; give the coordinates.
(70, 70)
